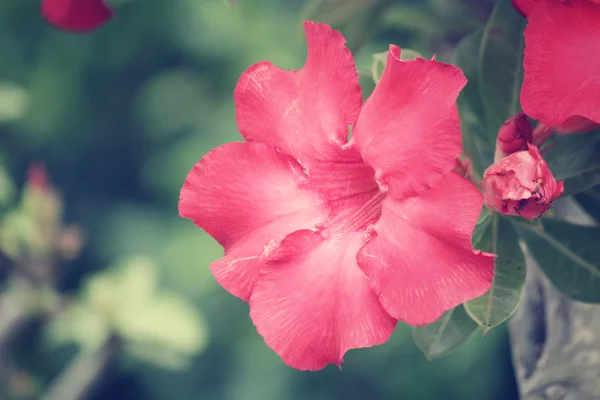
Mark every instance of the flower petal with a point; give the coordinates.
(313, 303)
(247, 196)
(303, 113)
(76, 15)
(409, 130)
(561, 78)
(420, 260)
(525, 6)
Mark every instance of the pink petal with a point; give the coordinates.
(420, 260)
(76, 15)
(313, 303)
(247, 196)
(525, 6)
(561, 63)
(408, 130)
(303, 113)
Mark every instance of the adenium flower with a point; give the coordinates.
(76, 15)
(330, 240)
(521, 184)
(514, 134)
(561, 61)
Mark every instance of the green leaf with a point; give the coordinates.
(569, 255)
(380, 59)
(476, 142)
(574, 160)
(502, 300)
(501, 65)
(127, 300)
(590, 202)
(466, 58)
(448, 333)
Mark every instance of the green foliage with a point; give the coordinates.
(569, 255)
(501, 65)
(574, 160)
(590, 202)
(475, 140)
(496, 235)
(448, 333)
(126, 301)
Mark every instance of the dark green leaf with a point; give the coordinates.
(501, 65)
(466, 58)
(569, 255)
(448, 333)
(590, 202)
(481, 236)
(475, 139)
(574, 159)
(501, 301)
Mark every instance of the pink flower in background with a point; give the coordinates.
(330, 240)
(562, 63)
(521, 184)
(76, 15)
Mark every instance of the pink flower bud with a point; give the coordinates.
(514, 134)
(521, 184)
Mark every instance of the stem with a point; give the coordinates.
(14, 317)
(541, 134)
(83, 374)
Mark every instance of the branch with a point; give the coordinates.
(82, 375)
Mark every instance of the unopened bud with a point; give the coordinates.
(521, 184)
(514, 134)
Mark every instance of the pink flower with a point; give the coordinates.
(333, 240)
(514, 134)
(562, 62)
(521, 184)
(76, 15)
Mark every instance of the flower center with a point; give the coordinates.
(351, 195)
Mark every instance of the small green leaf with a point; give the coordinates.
(574, 160)
(569, 255)
(501, 65)
(502, 300)
(380, 59)
(448, 333)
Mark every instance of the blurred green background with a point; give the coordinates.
(119, 117)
